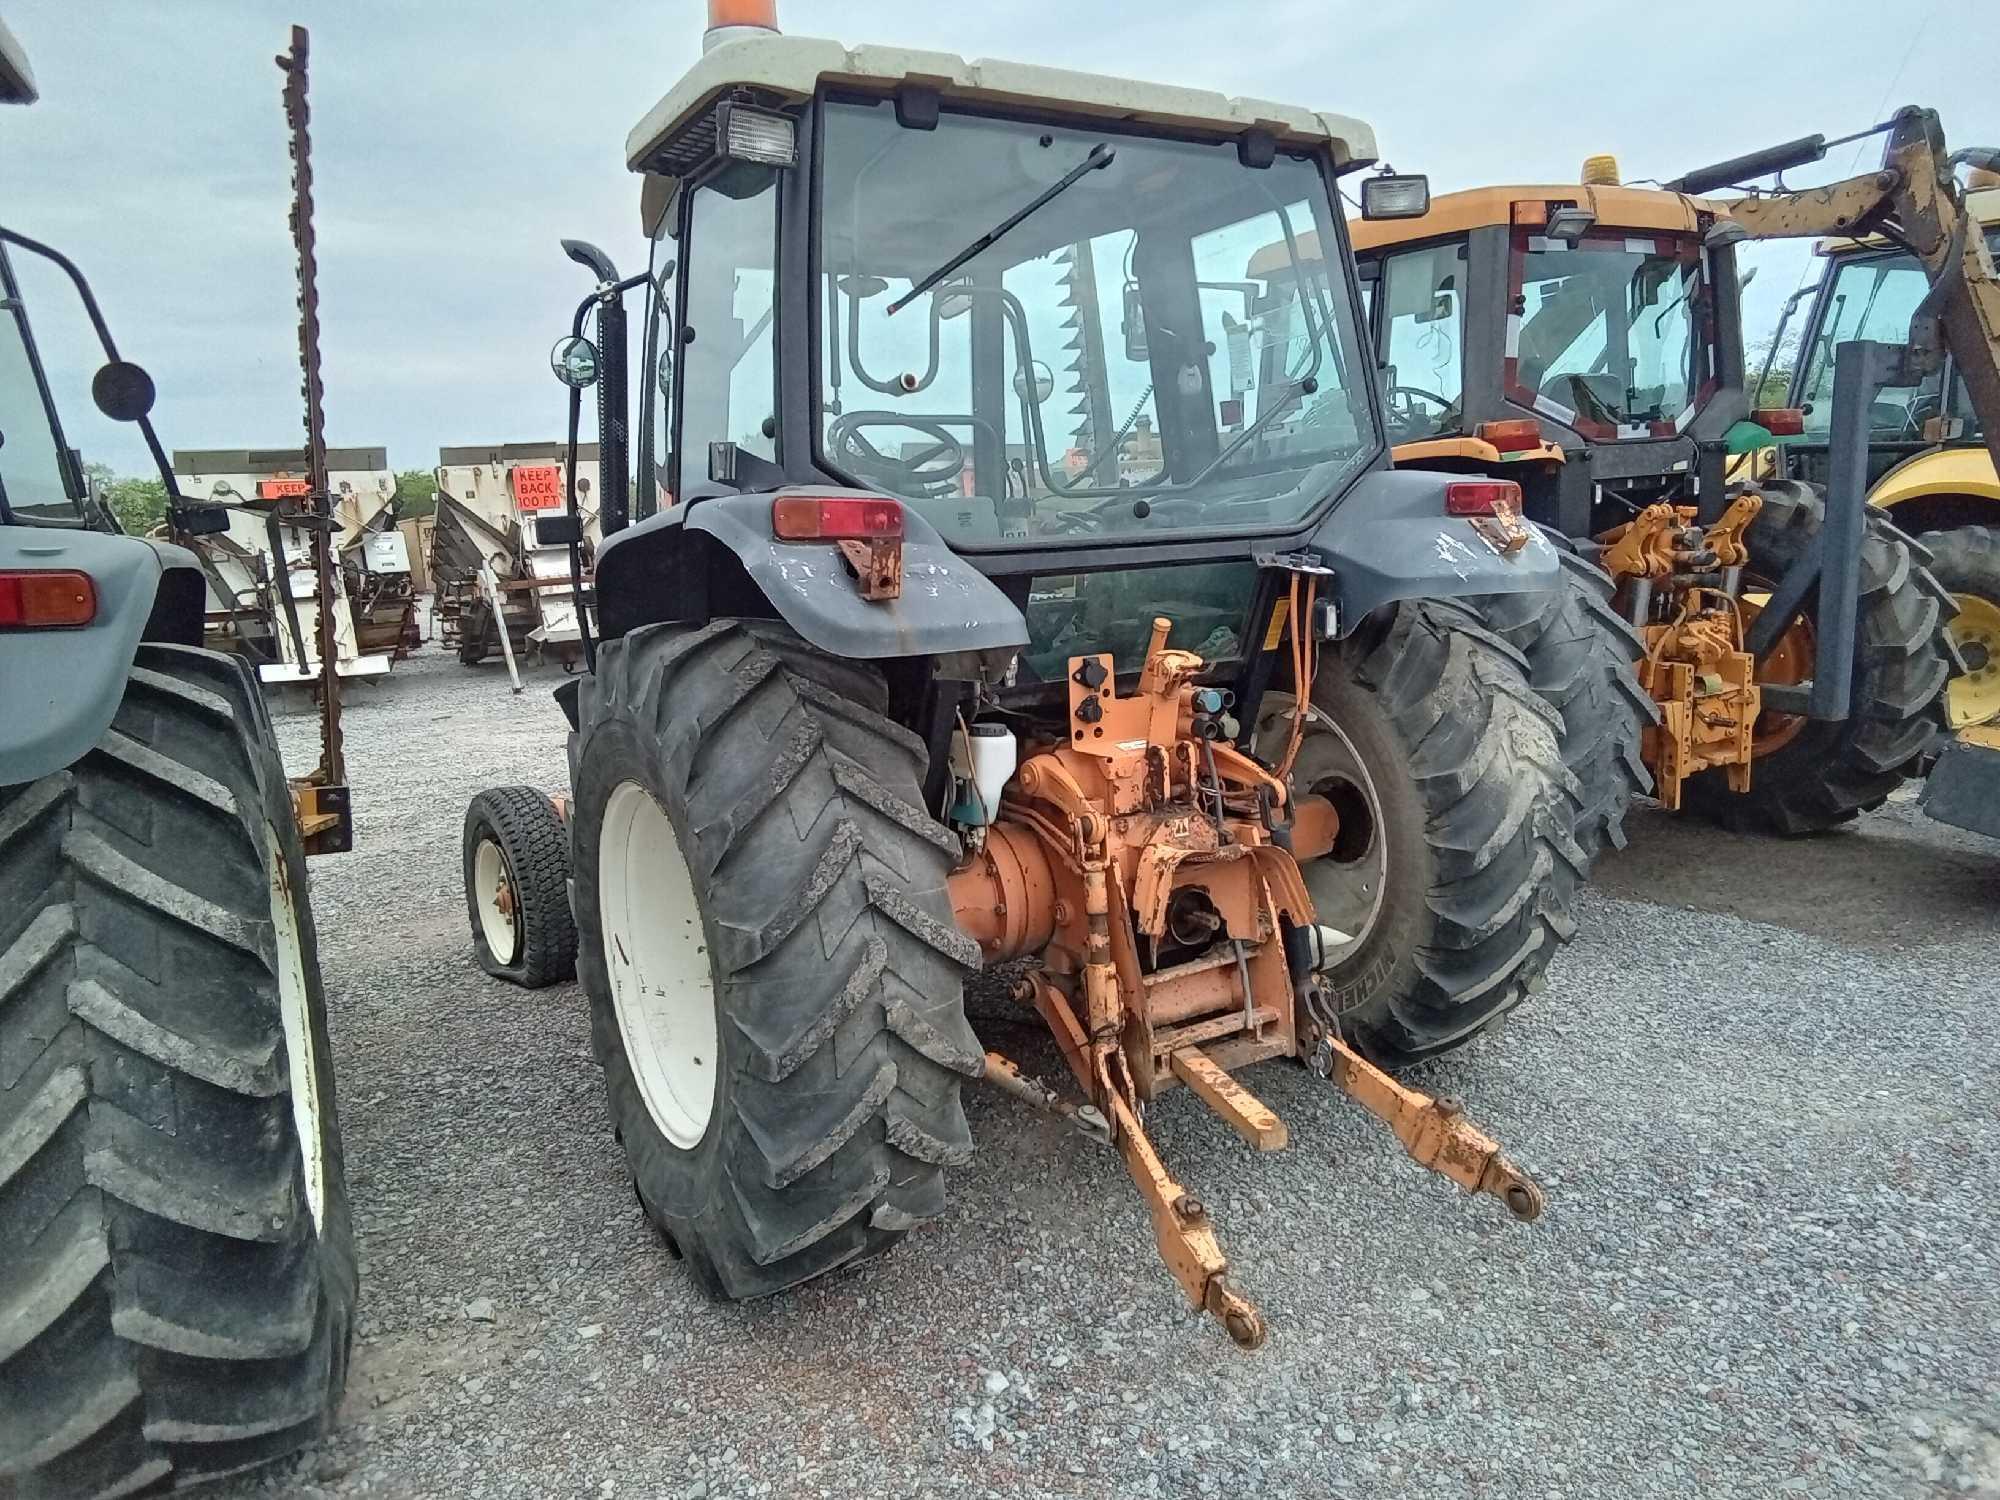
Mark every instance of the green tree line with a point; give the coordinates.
(140, 502)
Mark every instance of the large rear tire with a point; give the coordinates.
(1966, 561)
(1582, 656)
(764, 931)
(1455, 868)
(177, 1274)
(1811, 775)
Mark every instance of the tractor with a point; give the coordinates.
(976, 617)
(1586, 341)
(1929, 465)
(177, 1272)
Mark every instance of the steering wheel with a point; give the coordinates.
(1409, 415)
(939, 464)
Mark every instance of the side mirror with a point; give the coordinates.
(122, 391)
(1045, 383)
(663, 372)
(1396, 196)
(200, 520)
(574, 360)
(1134, 324)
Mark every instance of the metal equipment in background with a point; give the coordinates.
(262, 588)
(494, 504)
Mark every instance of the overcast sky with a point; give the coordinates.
(456, 142)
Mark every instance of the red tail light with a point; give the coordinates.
(1513, 436)
(38, 600)
(835, 518)
(1780, 421)
(1482, 497)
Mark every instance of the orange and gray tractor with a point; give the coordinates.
(1586, 341)
(973, 615)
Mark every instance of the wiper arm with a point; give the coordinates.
(1100, 156)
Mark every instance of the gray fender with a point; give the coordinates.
(1389, 539)
(947, 605)
(60, 688)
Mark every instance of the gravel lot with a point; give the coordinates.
(1769, 1264)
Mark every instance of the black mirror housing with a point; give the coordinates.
(122, 390)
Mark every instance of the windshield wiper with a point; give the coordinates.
(1100, 156)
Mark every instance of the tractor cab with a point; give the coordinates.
(1584, 340)
(1014, 303)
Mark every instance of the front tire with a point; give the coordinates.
(177, 1274)
(773, 966)
(515, 858)
(1808, 775)
(1966, 561)
(1455, 869)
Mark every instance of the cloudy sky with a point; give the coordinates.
(456, 142)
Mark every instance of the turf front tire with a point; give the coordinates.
(764, 931)
(177, 1274)
(1455, 867)
(515, 858)
(1808, 775)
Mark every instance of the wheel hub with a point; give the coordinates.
(1974, 696)
(493, 888)
(1347, 882)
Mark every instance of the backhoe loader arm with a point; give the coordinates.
(1913, 201)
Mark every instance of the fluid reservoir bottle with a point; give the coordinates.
(982, 759)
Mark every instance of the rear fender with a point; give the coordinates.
(716, 557)
(1389, 540)
(1941, 471)
(62, 687)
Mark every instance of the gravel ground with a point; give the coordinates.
(1768, 1266)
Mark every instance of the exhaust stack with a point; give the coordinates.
(736, 20)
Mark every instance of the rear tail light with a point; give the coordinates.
(1482, 497)
(835, 518)
(42, 600)
(1513, 436)
(1780, 421)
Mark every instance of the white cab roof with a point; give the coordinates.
(17, 80)
(792, 67)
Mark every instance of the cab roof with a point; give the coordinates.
(1490, 207)
(17, 79)
(782, 69)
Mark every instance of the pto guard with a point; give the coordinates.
(946, 604)
(1389, 539)
(63, 686)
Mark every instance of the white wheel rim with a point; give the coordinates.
(301, 1052)
(662, 984)
(497, 901)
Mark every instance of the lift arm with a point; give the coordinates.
(1912, 201)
